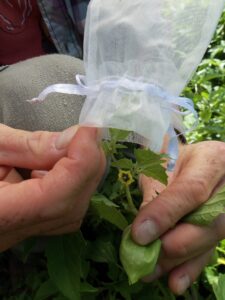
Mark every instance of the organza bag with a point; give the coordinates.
(138, 57)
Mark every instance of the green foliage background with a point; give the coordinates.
(57, 268)
(207, 89)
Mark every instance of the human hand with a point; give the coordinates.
(186, 249)
(55, 199)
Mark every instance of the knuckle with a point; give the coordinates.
(93, 166)
(35, 142)
(165, 213)
(83, 170)
(194, 191)
(198, 190)
(216, 154)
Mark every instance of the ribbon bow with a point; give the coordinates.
(170, 102)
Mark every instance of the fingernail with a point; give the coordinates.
(146, 232)
(65, 137)
(182, 284)
(157, 273)
(96, 134)
(40, 173)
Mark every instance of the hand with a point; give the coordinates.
(55, 199)
(186, 249)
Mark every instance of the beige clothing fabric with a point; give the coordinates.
(25, 80)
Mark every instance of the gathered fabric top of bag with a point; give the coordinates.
(138, 56)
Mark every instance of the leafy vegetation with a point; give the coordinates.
(87, 265)
(207, 89)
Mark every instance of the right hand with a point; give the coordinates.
(186, 248)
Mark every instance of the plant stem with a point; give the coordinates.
(187, 295)
(130, 202)
(194, 293)
(164, 291)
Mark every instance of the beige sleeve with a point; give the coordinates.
(26, 80)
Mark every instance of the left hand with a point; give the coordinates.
(186, 248)
(66, 168)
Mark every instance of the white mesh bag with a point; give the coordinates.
(139, 55)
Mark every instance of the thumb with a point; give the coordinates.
(67, 187)
(33, 150)
(196, 180)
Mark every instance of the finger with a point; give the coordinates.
(67, 224)
(150, 188)
(183, 276)
(9, 175)
(219, 227)
(12, 177)
(73, 177)
(4, 171)
(73, 227)
(183, 243)
(55, 227)
(186, 241)
(38, 173)
(33, 150)
(192, 186)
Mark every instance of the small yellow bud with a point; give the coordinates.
(125, 177)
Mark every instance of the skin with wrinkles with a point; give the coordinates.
(54, 200)
(65, 171)
(186, 249)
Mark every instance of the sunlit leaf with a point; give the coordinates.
(118, 134)
(138, 261)
(219, 288)
(150, 164)
(123, 163)
(207, 212)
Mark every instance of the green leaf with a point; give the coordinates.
(222, 244)
(46, 290)
(24, 249)
(219, 288)
(102, 251)
(127, 291)
(138, 261)
(85, 287)
(150, 164)
(106, 147)
(118, 134)
(124, 289)
(60, 297)
(64, 263)
(121, 146)
(206, 113)
(123, 163)
(108, 211)
(113, 272)
(211, 275)
(207, 212)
